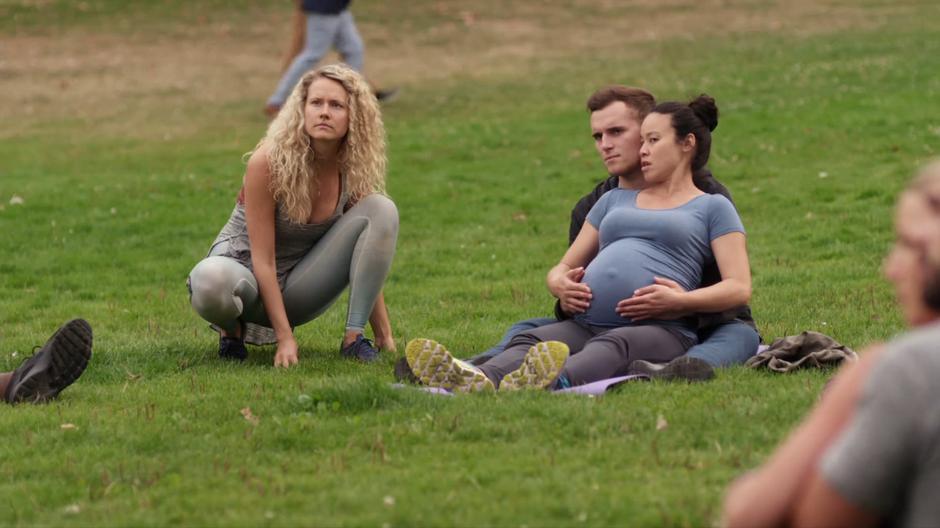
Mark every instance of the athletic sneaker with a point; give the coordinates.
(436, 367)
(684, 368)
(540, 367)
(232, 348)
(54, 367)
(361, 349)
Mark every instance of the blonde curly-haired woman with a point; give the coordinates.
(311, 218)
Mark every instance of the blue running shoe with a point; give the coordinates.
(361, 349)
(232, 348)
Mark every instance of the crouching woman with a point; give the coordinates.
(311, 218)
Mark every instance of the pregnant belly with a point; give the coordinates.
(612, 278)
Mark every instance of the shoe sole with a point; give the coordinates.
(435, 367)
(539, 369)
(66, 355)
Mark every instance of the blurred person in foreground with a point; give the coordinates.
(868, 454)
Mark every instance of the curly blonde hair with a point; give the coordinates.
(291, 156)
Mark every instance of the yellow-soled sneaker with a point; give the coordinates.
(436, 367)
(541, 366)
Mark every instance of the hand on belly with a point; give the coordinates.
(661, 300)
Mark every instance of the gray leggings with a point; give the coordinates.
(596, 353)
(357, 250)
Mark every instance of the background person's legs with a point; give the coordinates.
(320, 36)
(568, 332)
(730, 343)
(521, 326)
(609, 354)
(348, 42)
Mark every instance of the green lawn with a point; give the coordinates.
(123, 133)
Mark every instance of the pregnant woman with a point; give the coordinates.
(655, 240)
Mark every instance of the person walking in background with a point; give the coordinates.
(311, 218)
(318, 27)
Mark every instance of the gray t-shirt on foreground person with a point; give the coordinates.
(887, 460)
(639, 244)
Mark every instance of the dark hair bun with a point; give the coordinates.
(706, 110)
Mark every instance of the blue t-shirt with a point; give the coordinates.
(639, 244)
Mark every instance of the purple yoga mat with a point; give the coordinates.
(593, 389)
(432, 390)
(600, 387)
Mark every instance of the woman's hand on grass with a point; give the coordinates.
(286, 353)
(661, 300)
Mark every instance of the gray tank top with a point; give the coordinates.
(292, 241)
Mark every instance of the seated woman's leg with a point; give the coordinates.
(568, 332)
(728, 344)
(610, 353)
(358, 251)
(516, 328)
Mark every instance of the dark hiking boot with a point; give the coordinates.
(682, 368)
(361, 349)
(232, 348)
(54, 367)
(385, 96)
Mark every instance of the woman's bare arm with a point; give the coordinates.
(259, 212)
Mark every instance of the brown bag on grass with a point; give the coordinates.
(809, 349)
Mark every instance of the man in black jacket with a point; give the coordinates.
(725, 338)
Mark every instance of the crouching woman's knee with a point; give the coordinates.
(219, 288)
(382, 213)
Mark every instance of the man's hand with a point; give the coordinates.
(573, 295)
(286, 353)
(660, 300)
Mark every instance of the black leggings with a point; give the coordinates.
(596, 353)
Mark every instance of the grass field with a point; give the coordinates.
(122, 133)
